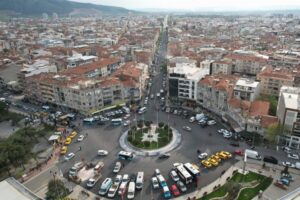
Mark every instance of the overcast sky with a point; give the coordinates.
(200, 4)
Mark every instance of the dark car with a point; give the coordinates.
(234, 144)
(101, 123)
(133, 177)
(165, 155)
(270, 159)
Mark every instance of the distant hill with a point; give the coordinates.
(61, 7)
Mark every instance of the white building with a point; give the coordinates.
(246, 89)
(183, 81)
(288, 112)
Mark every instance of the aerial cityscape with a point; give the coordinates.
(149, 100)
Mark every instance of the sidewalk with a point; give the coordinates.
(42, 167)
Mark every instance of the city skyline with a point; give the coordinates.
(195, 5)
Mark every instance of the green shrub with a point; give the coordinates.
(147, 144)
(160, 124)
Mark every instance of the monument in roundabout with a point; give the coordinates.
(150, 139)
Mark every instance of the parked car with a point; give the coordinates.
(155, 183)
(181, 186)
(117, 167)
(239, 152)
(157, 172)
(126, 123)
(192, 119)
(91, 182)
(286, 149)
(289, 164)
(174, 176)
(175, 190)
(102, 152)
(63, 150)
(270, 159)
(293, 156)
(211, 122)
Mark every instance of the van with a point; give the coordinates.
(131, 190)
(139, 180)
(106, 184)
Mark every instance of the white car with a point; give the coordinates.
(90, 183)
(126, 123)
(227, 135)
(126, 116)
(211, 122)
(192, 119)
(174, 176)
(187, 128)
(293, 156)
(287, 149)
(202, 156)
(80, 138)
(117, 167)
(289, 164)
(221, 131)
(155, 183)
(175, 165)
(118, 179)
(102, 153)
(157, 172)
(69, 156)
(113, 190)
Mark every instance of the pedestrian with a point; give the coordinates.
(123, 165)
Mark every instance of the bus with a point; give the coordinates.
(116, 122)
(125, 155)
(184, 174)
(192, 170)
(142, 110)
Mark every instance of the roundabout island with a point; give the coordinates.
(148, 139)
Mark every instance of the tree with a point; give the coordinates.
(273, 103)
(56, 190)
(272, 132)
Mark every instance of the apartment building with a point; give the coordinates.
(246, 64)
(272, 79)
(221, 67)
(39, 66)
(246, 89)
(183, 81)
(214, 92)
(288, 112)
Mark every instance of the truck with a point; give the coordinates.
(252, 154)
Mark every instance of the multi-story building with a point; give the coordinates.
(39, 66)
(288, 112)
(272, 80)
(246, 64)
(183, 82)
(221, 67)
(214, 92)
(246, 89)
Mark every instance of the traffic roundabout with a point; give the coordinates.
(147, 139)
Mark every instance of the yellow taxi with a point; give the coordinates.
(222, 155)
(68, 141)
(213, 162)
(227, 154)
(64, 150)
(206, 164)
(216, 157)
(73, 134)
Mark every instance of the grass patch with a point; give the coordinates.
(135, 138)
(251, 176)
(250, 193)
(246, 194)
(218, 193)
